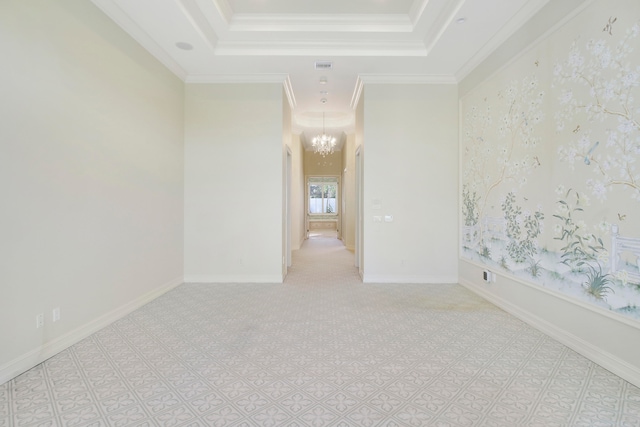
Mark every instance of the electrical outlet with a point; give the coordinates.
(488, 276)
(56, 314)
(40, 320)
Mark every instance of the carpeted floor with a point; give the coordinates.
(322, 349)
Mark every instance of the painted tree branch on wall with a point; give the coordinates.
(491, 163)
(612, 81)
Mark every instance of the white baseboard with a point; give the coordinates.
(391, 278)
(38, 355)
(603, 358)
(235, 278)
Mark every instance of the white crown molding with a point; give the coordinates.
(288, 90)
(520, 18)
(408, 79)
(323, 48)
(217, 15)
(442, 23)
(223, 8)
(237, 78)
(198, 21)
(417, 10)
(113, 11)
(357, 91)
(396, 23)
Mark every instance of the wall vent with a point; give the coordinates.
(324, 65)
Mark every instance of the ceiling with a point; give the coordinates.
(366, 41)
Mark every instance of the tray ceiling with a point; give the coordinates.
(394, 41)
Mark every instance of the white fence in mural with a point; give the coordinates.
(493, 228)
(620, 245)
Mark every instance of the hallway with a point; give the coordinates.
(322, 261)
(322, 349)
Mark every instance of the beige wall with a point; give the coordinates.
(233, 182)
(349, 192)
(287, 185)
(91, 169)
(298, 193)
(359, 185)
(410, 173)
(316, 165)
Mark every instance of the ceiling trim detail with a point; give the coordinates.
(417, 9)
(323, 48)
(357, 91)
(321, 23)
(442, 23)
(199, 22)
(223, 9)
(127, 24)
(428, 79)
(288, 90)
(239, 78)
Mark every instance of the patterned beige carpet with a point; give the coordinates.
(322, 349)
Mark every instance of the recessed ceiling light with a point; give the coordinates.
(184, 46)
(324, 92)
(323, 80)
(461, 20)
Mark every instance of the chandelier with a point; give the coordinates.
(323, 144)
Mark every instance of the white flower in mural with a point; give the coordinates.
(603, 227)
(499, 154)
(566, 97)
(584, 142)
(623, 276)
(557, 230)
(603, 256)
(598, 188)
(611, 77)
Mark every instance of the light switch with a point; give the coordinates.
(388, 218)
(377, 218)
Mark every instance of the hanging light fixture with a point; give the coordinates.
(323, 144)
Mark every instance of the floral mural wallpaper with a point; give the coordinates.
(551, 162)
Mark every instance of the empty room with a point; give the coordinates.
(339, 213)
